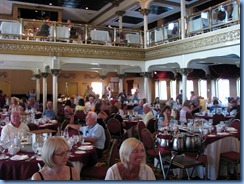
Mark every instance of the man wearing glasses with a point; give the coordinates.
(93, 132)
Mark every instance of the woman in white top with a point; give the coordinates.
(133, 163)
(184, 110)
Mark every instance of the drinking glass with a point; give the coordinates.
(35, 147)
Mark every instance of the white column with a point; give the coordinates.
(44, 89)
(147, 92)
(145, 12)
(183, 13)
(121, 81)
(156, 89)
(120, 14)
(184, 72)
(55, 73)
(37, 87)
(102, 77)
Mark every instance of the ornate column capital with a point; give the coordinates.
(102, 77)
(55, 72)
(116, 2)
(121, 76)
(44, 74)
(145, 11)
(120, 13)
(184, 71)
(147, 74)
(37, 76)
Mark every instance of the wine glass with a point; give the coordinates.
(35, 147)
(5, 144)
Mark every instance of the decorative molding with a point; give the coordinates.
(147, 74)
(67, 76)
(66, 50)
(88, 76)
(44, 74)
(103, 77)
(121, 76)
(120, 13)
(184, 71)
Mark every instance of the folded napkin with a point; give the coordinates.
(19, 157)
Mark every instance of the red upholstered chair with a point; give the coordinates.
(32, 126)
(177, 114)
(64, 124)
(80, 116)
(107, 146)
(140, 125)
(114, 128)
(99, 172)
(72, 131)
(189, 115)
(231, 157)
(152, 125)
(151, 150)
(237, 125)
(217, 118)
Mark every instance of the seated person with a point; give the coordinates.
(93, 132)
(195, 106)
(81, 105)
(148, 114)
(68, 111)
(215, 106)
(235, 108)
(133, 163)
(185, 108)
(114, 114)
(139, 107)
(90, 105)
(101, 115)
(32, 104)
(164, 117)
(49, 112)
(55, 155)
(14, 127)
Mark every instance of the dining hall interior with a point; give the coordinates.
(162, 75)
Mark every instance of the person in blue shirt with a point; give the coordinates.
(139, 107)
(92, 132)
(215, 106)
(49, 112)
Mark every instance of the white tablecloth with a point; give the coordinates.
(10, 28)
(133, 38)
(100, 35)
(62, 32)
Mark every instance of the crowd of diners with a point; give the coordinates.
(132, 164)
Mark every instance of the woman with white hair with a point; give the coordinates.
(133, 163)
(55, 155)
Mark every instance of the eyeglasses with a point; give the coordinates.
(63, 154)
(138, 151)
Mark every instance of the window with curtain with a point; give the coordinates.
(202, 88)
(97, 87)
(238, 87)
(223, 89)
(173, 89)
(163, 90)
(189, 88)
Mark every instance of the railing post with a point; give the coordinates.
(21, 28)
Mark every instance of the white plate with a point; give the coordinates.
(223, 133)
(3, 157)
(80, 152)
(231, 129)
(211, 135)
(84, 148)
(86, 143)
(19, 157)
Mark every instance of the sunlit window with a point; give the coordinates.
(238, 87)
(223, 89)
(189, 88)
(202, 88)
(173, 89)
(163, 90)
(97, 88)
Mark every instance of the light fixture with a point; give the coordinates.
(87, 8)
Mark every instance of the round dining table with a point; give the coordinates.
(24, 168)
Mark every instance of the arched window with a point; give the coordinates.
(173, 89)
(238, 87)
(202, 88)
(163, 90)
(223, 89)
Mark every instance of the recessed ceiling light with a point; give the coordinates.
(50, 4)
(86, 8)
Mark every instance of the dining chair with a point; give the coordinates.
(97, 172)
(140, 125)
(217, 118)
(238, 115)
(80, 117)
(114, 128)
(237, 125)
(177, 114)
(189, 116)
(152, 125)
(106, 148)
(151, 150)
(72, 131)
(64, 124)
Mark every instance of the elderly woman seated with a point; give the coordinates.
(55, 155)
(133, 163)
